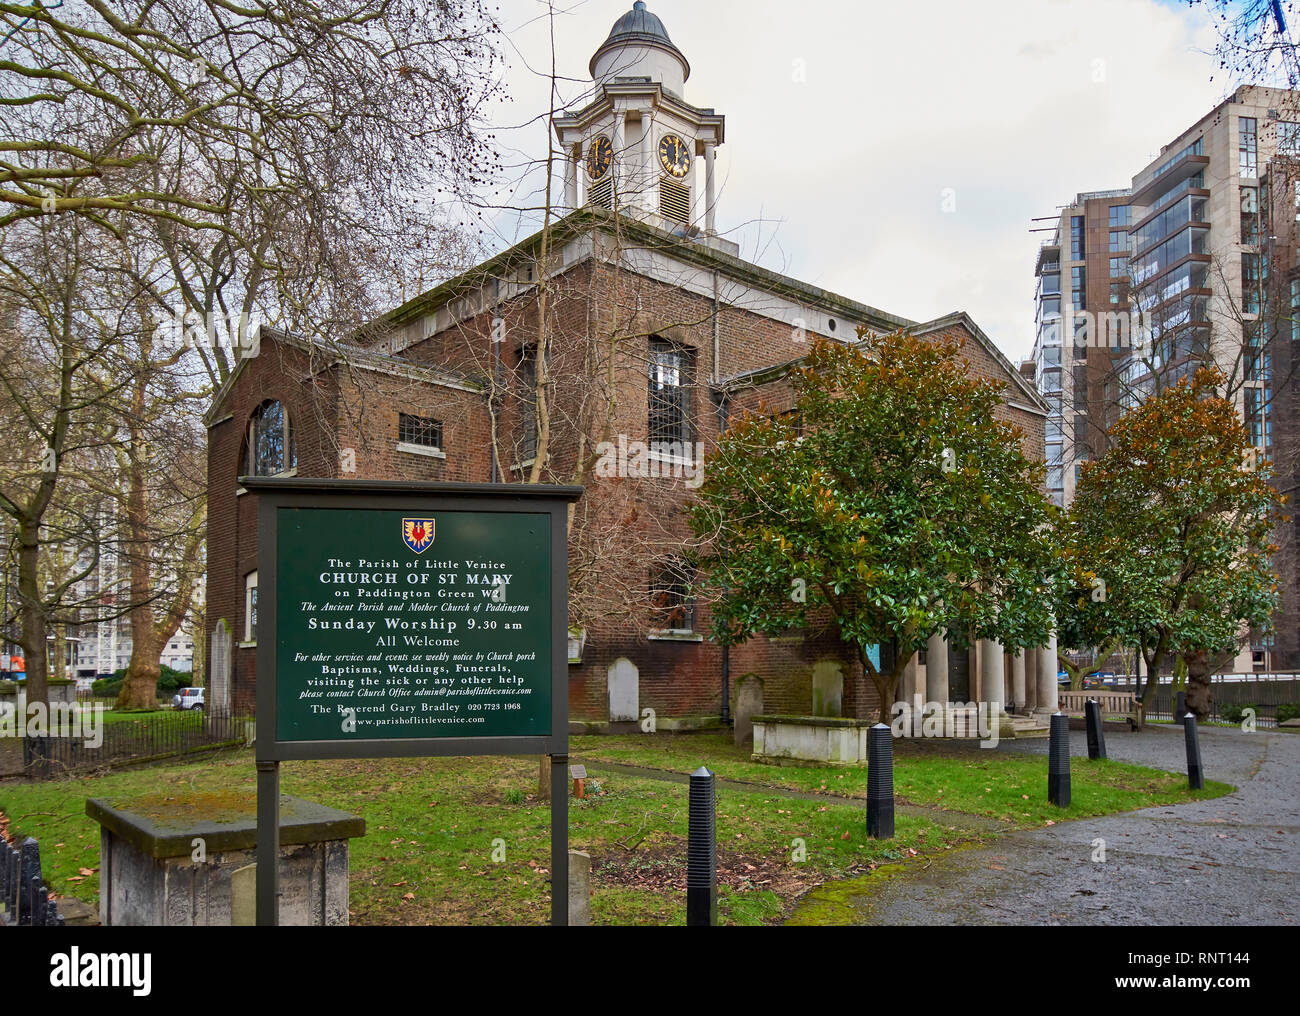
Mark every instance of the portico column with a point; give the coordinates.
(710, 193)
(571, 177)
(648, 175)
(992, 677)
(936, 669)
(909, 690)
(1031, 680)
(1018, 680)
(1047, 667)
(617, 161)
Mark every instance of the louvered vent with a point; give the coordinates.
(675, 201)
(601, 192)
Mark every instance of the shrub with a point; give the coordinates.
(1236, 713)
(1288, 711)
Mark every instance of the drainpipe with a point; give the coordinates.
(496, 378)
(717, 369)
(726, 684)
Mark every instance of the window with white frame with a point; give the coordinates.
(250, 608)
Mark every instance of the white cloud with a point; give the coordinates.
(1014, 106)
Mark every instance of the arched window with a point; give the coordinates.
(269, 449)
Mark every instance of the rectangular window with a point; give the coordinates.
(1249, 215)
(417, 430)
(1118, 240)
(1119, 268)
(1288, 138)
(671, 604)
(250, 607)
(1117, 292)
(1252, 283)
(1295, 310)
(1076, 238)
(526, 446)
(1247, 154)
(1119, 215)
(669, 398)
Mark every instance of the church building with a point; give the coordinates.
(609, 350)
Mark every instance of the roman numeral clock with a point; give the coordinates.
(674, 156)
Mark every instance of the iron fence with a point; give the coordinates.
(87, 738)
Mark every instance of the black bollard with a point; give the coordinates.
(702, 853)
(1180, 706)
(1195, 775)
(1096, 735)
(1058, 761)
(880, 783)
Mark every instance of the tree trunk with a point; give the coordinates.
(544, 777)
(33, 613)
(1199, 667)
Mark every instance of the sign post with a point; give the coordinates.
(409, 620)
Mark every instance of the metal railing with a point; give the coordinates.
(111, 739)
(24, 897)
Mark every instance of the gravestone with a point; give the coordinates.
(828, 689)
(624, 691)
(219, 669)
(749, 702)
(579, 889)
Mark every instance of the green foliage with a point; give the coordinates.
(514, 796)
(905, 507)
(1175, 520)
(169, 682)
(1236, 713)
(1288, 711)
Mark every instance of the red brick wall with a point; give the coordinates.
(600, 320)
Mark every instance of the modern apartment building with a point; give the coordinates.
(1082, 316)
(1202, 250)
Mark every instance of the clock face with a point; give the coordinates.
(600, 156)
(674, 155)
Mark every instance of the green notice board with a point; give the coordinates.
(400, 624)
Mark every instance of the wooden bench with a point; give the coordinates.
(1123, 704)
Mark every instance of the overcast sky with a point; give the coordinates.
(838, 175)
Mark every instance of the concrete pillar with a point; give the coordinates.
(1047, 667)
(936, 669)
(1031, 680)
(1018, 680)
(710, 188)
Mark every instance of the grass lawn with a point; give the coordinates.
(433, 825)
(1005, 786)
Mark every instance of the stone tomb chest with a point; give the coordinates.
(188, 860)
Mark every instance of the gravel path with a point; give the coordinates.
(1232, 860)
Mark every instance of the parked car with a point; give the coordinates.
(1099, 680)
(188, 698)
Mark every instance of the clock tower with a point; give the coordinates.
(639, 146)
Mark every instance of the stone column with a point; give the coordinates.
(992, 677)
(1018, 680)
(936, 669)
(994, 686)
(909, 692)
(572, 157)
(617, 162)
(1047, 667)
(648, 172)
(697, 190)
(1031, 680)
(710, 188)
